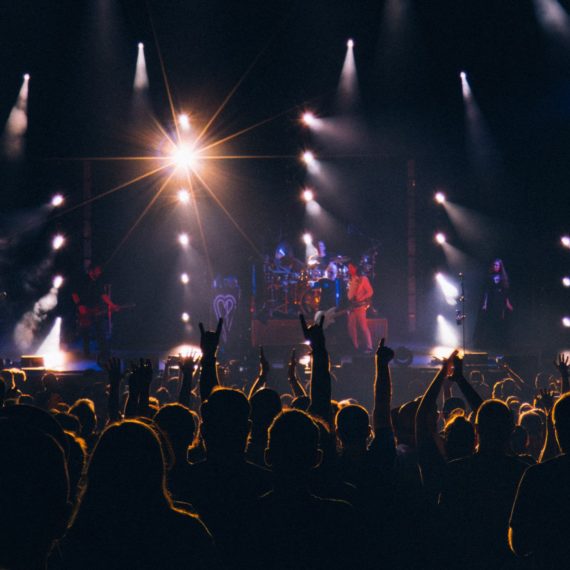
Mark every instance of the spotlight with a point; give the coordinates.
(184, 157)
(185, 317)
(447, 334)
(565, 241)
(185, 278)
(350, 43)
(308, 195)
(57, 200)
(307, 238)
(449, 290)
(57, 281)
(309, 119)
(566, 281)
(141, 45)
(184, 121)
(463, 76)
(183, 196)
(58, 242)
(440, 238)
(26, 76)
(183, 240)
(439, 197)
(566, 322)
(308, 157)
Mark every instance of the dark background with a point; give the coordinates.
(82, 56)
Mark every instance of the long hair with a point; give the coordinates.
(502, 271)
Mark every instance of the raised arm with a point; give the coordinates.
(381, 416)
(114, 375)
(209, 341)
(188, 365)
(132, 405)
(293, 379)
(261, 379)
(473, 399)
(562, 365)
(146, 374)
(320, 391)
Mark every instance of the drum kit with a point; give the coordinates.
(292, 287)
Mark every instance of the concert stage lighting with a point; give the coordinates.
(308, 157)
(185, 317)
(565, 241)
(447, 334)
(308, 195)
(184, 121)
(185, 278)
(350, 44)
(566, 322)
(448, 289)
(183, 240)
(57, 281)
(307, 238)
(57, 200)
(141, 74)
(54, 358)
(440, 238)
(183, 196)
(185, 157)
(309, 119)
(58, 242)
(566, 281)
(439, 197)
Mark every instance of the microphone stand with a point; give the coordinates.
(460, 315)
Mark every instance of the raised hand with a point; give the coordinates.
(263, 363)
(384, 354)
(113, 368)
(546, 399)
(146, 372)
(292, 369)
(188, 365)
(314, 333)
(562, 364)
(209, 340)
(457, 368)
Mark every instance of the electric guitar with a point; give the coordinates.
(87, 315)
(334, 313)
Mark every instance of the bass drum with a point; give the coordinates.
(310, 302)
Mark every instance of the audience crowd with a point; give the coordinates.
(182, 472)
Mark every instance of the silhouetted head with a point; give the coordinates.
(84, 410)
(179, 425)
(34, 497)
(76, 459)
(406, 423)
(68, 422)
(519, 440)
(459, 437)
(265, 405)
(126, 472)
(494, 424)
(225, 421)
(352, 425)
(50, 381)
(452, 404)
(301, 403)
(561, 415)
(293, 447)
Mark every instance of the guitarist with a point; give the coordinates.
(359, 295)
(93, 305)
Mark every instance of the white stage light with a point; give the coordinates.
(57, 200)
(184, 121)
(185, 278)
(308, 157)
(183, 196)
(439, 197)
(58, 242)
(447, 333)
(440, 238)
(309, 119)
(566, 281)
(308, 195)
(350, 43)
(183, 240)
(566, 322)
(57, 281)
(185, 317)
(185, 157)
(448, 289)
(565, 241)
(308, 238)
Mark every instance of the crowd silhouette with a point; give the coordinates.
(185, 472)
